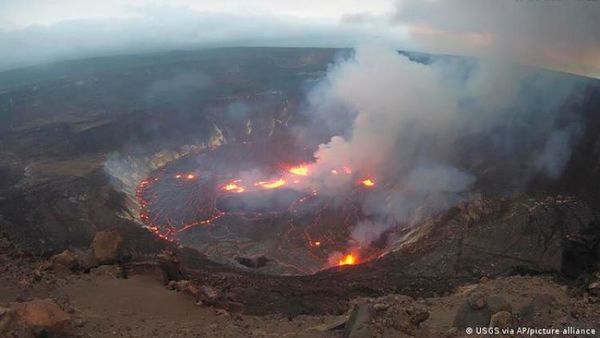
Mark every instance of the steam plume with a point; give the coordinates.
(431, 133)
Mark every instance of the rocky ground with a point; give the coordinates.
(97, 293)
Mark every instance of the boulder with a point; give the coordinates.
(467, 316)
(417, 314)
(359, 323)
(86, 260)
(66, 259)
(106, 246)
(502, 319)
(10, 326)
(43, 314)
(477, 300)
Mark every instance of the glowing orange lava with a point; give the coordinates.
(190, 176)
(272, 185)
(233, 188)
(301, 170)
(349, 259)
(367, 182)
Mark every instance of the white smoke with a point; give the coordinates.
(556, 151)
(428, 133)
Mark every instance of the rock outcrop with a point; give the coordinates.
(106, 246)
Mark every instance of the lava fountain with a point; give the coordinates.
(349, 259)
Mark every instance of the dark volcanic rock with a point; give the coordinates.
(253, 262)
(582, 251)
(39, 218)
(466, 316)
(147, 268)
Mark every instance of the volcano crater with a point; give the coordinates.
(237, 202)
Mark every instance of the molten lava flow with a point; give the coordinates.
(233, 187)
(271, 185)
(314, 243)
(301, 170)
(349, 259)
(367, 182)
(188, 177)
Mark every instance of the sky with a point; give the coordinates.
(22, 13)
(556, 34)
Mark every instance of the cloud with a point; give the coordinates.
(562, 35)
(167, 28)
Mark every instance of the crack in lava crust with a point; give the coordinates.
(239, 203)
